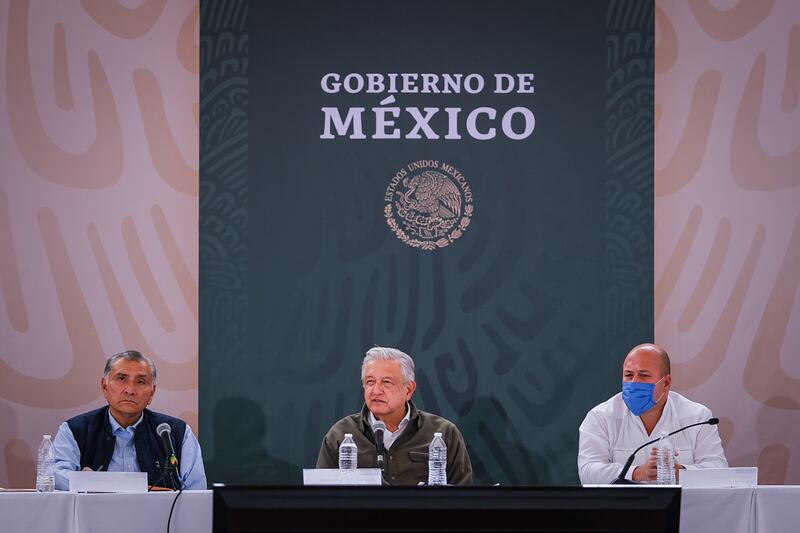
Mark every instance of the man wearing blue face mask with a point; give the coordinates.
(645, 407)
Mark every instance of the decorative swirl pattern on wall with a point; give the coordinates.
(752, 167)
(101, 164)
(629, 191)
(733, 23)
(727, 211)
(122, 21)
(223, 240)
(97, 250)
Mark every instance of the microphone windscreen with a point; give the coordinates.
(378, 426)
(713, 421)
(163, 427)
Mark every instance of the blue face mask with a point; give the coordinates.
(638, 396)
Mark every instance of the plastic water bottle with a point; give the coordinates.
(348, 453)
(45, 466)
(665, 461)
(437, 461)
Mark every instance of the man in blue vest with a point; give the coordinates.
(121, 437)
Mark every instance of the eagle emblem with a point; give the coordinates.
(432, 193)
(428, 208)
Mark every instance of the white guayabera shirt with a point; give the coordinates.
(610, 433)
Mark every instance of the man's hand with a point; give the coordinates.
(648, 470)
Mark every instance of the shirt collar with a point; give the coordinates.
(665, 415)
(400, 426)
(115, 425)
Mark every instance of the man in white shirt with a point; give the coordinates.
(645, 407)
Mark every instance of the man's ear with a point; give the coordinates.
(668, 381)
(411, 386)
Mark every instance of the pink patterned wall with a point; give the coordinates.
(727, 237)
(99, 212)
(98, 208)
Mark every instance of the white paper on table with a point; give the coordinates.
(334, 476)
(720, 477)
(88, 481)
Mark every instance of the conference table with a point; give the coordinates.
(762, 509)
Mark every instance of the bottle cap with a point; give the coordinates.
(348, 435)
(45, 436)
(437, 434)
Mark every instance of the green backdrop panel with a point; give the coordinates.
(369, 176)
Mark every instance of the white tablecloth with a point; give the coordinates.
(777, 509)
(135, 513)
(31, 512)
(37, 513)
(718, 510)
(765, 509)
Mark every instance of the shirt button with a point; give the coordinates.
(393, 478)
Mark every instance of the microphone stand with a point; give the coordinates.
(378, 431)
(175, 476)
(379, 459)
(170, 471)
(621, 478)
(380, 452)
(166, 476)
(379, 463)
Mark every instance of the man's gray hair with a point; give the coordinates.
(390, 354)
(129, 355)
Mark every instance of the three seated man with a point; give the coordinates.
(121, 436)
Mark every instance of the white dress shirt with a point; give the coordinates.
(610, 433)
(390, 436)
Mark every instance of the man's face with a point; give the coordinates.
(384, 391)
(644, 365)
(128, 389)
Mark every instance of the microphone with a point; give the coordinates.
(621, 478)
(378, 428)
(164, 431)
